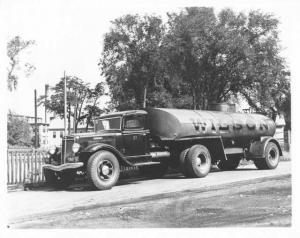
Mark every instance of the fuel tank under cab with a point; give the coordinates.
(174, 124)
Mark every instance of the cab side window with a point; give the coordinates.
(134, 122)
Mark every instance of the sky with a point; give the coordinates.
(69, 35)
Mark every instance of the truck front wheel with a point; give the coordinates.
(103, 170)
(271, 159)
(198, 161)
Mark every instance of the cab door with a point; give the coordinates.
(135, 135)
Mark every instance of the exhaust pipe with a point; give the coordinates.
(160, 154)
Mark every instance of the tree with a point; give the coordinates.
(18, 131)
(199, 58)
(216, 54)
(14, 47)
(92, 109)
(79, 94)
(130, 61)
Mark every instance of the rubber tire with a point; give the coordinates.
(266, 163)
(193, 170)
(230, 164)
(154, 171)
(59, 179)
(92, 170)
(182, 162)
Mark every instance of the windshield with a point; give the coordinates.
(113, 123)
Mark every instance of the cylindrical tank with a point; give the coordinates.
(173, 124)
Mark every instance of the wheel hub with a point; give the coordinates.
(272, 156)
(198, 161)
(105, 170)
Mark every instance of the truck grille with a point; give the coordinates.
(66, 150)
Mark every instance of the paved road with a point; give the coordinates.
(251, 203)
(26, 204)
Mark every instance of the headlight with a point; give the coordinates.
(75, 147)
(52, 150)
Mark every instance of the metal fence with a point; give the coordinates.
(25, 166)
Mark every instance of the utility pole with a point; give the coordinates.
(35, 122)
(65, 103)
(75, 112)
(46, 95)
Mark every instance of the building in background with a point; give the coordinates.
(279, 134)
(50, 133)
(56, 130)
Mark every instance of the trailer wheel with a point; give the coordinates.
(230, 164)
(103, 170)
(182, 162)
(198, 161)
(154, 171)
(271, 159)
(59, 179)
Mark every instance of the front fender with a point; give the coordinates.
(258, 148)
(101, 146)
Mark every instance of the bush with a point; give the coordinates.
(18, 131)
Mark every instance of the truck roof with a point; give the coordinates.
(122, 113)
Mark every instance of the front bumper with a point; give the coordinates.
(62, 167)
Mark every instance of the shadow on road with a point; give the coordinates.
(82, 184)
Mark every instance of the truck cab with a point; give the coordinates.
(124, 136)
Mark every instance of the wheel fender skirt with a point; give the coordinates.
(62, 167)
(257, 148)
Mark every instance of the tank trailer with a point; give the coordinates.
(157, 138)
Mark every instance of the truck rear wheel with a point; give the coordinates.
(59, 179)
(154, 171)
(231, 163)
(182, 162)
(271, 159)
(198, 161)
(103, 170)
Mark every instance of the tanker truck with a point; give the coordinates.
(157, 138)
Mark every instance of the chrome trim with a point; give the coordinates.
(62, 167)
(64, 150)
(160, 154)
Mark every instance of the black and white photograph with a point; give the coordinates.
(120, 115)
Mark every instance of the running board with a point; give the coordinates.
(146, 163)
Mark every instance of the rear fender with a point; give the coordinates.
(101, 146)
(258, 148)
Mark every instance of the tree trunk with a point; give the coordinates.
(87, 125)
(145, 97)
(194, 98)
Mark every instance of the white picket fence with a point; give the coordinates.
(25, 166)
